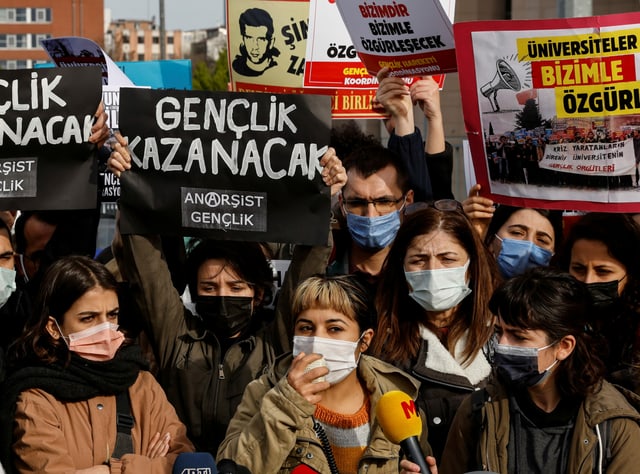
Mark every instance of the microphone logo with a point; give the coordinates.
(506, 77)
(409, 409)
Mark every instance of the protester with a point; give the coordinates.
(371, 204)
(549, 410)
(429, 165)
(75, 382)
(38, 242)
(320, 417)
(434, 321)
(519, 238)
(207, 352)
(602, 251)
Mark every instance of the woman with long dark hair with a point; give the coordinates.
(80, 399)
(434, 321)
(602, 251)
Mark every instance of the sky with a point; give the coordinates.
(179, 14)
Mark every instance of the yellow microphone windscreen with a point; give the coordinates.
(398, 416)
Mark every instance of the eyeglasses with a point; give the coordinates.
(444, 205)
(382, 205)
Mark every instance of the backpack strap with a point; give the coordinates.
(124, 424)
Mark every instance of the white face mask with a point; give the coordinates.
(7, 284)
(338, 355)
(438, 290)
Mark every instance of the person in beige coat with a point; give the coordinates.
(59, 404)
(304, 419)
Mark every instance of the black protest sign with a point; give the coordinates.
(225, 165)
(46, 161)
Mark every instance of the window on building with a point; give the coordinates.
(141, 57)
(140, 38)
(22, 41)
(21, 15)
(39, 38)
(41, 15)
(169, 39)
(11, 41)
(156, 40)
(125, 39)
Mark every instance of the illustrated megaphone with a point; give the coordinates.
(505, 78)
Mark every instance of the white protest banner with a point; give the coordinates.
(410, 37)
(601, 159)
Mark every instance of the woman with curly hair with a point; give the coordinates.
(602, 251)
(434, 321)
(549, 408)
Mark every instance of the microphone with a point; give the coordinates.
(195, 463)
(401, 424)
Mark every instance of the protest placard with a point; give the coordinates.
(552, 109)
(46, 116)
(411, 38)
(331, 60)
(276, 61)
(224, 165)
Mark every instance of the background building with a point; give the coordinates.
(23, 23)
(139, 40)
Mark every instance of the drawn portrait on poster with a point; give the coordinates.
(257, 52)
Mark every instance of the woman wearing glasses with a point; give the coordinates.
(432, 307)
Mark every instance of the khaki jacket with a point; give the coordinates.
(204, 386)
(61, 437)
(491, 451)
(272, 431)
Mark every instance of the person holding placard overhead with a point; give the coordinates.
(208, 350)
(430, 164)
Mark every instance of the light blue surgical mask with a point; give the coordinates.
(438, 290)
(373, 232)
(7, 284)
(517, 256)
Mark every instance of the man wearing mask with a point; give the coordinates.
(371, 204)
(366, 218)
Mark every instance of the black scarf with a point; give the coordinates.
(79, 380)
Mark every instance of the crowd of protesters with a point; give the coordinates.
(518, 339)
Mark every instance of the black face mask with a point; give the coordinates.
(225, 316)
(604, 296)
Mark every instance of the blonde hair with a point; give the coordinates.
(345, 294)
